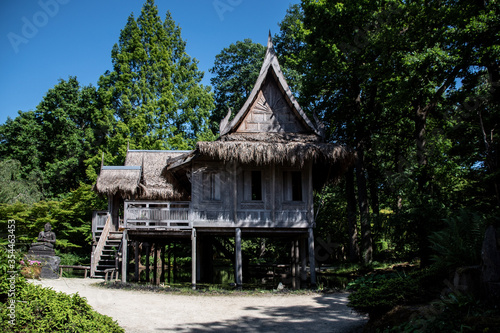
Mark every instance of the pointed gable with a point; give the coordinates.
(271, 106)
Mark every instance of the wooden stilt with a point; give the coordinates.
(174, 277)
(312, 262)
(168, 262)
(162, 256)
(238, 260)
(155, 264)
(124, 255)
(148, 250)
(303, 259)
(193, 258)
(293, 271)
(136, 261)
(296, 263)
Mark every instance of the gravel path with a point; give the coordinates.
(138, 311)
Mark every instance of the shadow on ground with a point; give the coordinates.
(331, 314)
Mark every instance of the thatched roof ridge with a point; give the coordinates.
(119, 180)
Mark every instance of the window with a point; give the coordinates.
(256, 185)
(292, 186)
(211, 185)
(252, 185)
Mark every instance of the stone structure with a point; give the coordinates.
(43, 251)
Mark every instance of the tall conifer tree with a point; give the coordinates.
(155, 87)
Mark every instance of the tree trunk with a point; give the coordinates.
(351, 217)
(364, 211)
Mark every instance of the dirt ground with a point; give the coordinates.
(141, 311)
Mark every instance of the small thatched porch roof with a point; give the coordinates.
(119, 180)
(144, 177)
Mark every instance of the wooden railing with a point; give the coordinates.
(157, 215)
(96, 254)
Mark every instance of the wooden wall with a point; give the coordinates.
(222, 193)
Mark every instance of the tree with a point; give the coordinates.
(13, 188)
(154, 89)
(236, 69)
(53, 142)
(385, 77)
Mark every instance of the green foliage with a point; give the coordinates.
(10, 260)
(39, 309)
(44, 310)
(70, 219)
(235, 70)
(459, 242)
(13, 188)
(453, 313)
(53, 142)
(376, 294)
(155, 88)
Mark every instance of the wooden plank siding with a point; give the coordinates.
(230, 196)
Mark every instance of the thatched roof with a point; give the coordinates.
(144, 177)
(294, 152)
(156, 183)
(119, 180)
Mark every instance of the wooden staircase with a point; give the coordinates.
(104, 256)
(109, 253)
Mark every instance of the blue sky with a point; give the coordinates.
(42, 41)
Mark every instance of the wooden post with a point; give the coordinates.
(155, 263)
(168, 262)
(174, 277)
(193, 258)
(293, 271)
(148, 250)
(136, 261)
(297, 263)
(162, 256)
(238, 261)
(312, 263)
(303, 259)
(124, 255)
(235, 193)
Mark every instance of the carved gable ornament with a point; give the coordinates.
(271, 106)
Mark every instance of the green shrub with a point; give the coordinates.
(43, 310)
(39, 309)
(377, 294)
(459, 242)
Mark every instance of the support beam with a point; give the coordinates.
(312, 262)
(137, 263)
(124, 255)
(296, 263)
(168, 263)
(238, 268)
(293, 271)
(162, 256)
(193, 258)
(148, 252)
(303, 259)
(155, 264)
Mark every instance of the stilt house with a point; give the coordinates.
(256, 180)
